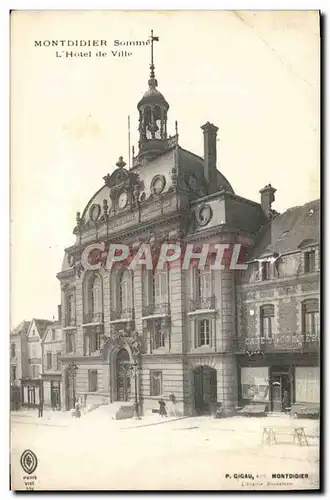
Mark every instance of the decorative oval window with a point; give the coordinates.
(158, 184)
(204, 215)
(95, 212)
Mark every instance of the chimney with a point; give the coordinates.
(210, 153)
(267, 198)
(59, 312)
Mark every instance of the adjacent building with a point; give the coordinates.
(51, 348)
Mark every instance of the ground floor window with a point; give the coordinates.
(92, 380)
(307, 382)
(156, 383)
(255, 383)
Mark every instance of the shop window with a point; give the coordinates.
(311, 317)
(203, 327)
(156, 383)
(92, 380)
(255, 383)
(309, 261)
(49, 361)
(266, 321)
(307, 384)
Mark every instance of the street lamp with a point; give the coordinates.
(134, 366)
(72, 371)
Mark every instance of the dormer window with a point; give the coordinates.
(266, 269)
(309, 261)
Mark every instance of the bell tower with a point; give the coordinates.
(152, 109)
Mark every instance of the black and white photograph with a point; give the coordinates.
(165, 250)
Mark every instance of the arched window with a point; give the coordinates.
(159, 288)
(203, 283)
(310, 317)
(94, 298)
(125, 296)
(267, 321)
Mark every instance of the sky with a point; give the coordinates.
(255, 75)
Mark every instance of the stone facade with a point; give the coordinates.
(125, 337)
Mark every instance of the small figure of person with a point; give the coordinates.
(40, 409)
(172, 399)
(162, 408)
(285, 400)
(77, 409)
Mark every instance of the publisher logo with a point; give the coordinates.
(29, 461)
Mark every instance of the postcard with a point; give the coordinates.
(165, 250)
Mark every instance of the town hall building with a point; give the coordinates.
(204, 335)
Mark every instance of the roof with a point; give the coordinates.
(195, 164)
(290, 231)
(22, 328)
(41, 325)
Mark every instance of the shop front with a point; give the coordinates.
(278, 382)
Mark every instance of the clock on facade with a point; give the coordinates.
(122, 200)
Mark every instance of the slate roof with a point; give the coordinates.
(41, 325)
(288, 232)
(22, 328)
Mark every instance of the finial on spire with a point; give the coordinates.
(152, 81)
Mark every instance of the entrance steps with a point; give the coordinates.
(115, 411)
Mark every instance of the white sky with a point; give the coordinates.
(253, 74)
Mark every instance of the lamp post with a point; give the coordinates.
(134, 366)
(72, 371)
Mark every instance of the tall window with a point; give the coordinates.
(92, 380)
(49, 361)
(69, 309)
(13, 373)
(12, 350)
(58, 360)
(309, 261)
(267, 321)
(35, 371)
(124, 291)
(95, 341)
(158, 335)
(311, 317)
(34, 352)
(203, 283)
(156, 383)
(203, 331)
(96, 295)
(69, 342)
(53, 334)
(159, 289)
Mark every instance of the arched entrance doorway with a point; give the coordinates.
(205, 389)
(123, 375)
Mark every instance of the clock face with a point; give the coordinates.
(122, 200)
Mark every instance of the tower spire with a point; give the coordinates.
(152, 81)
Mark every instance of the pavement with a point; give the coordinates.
(97, 452)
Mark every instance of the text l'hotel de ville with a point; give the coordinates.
(91, 48)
